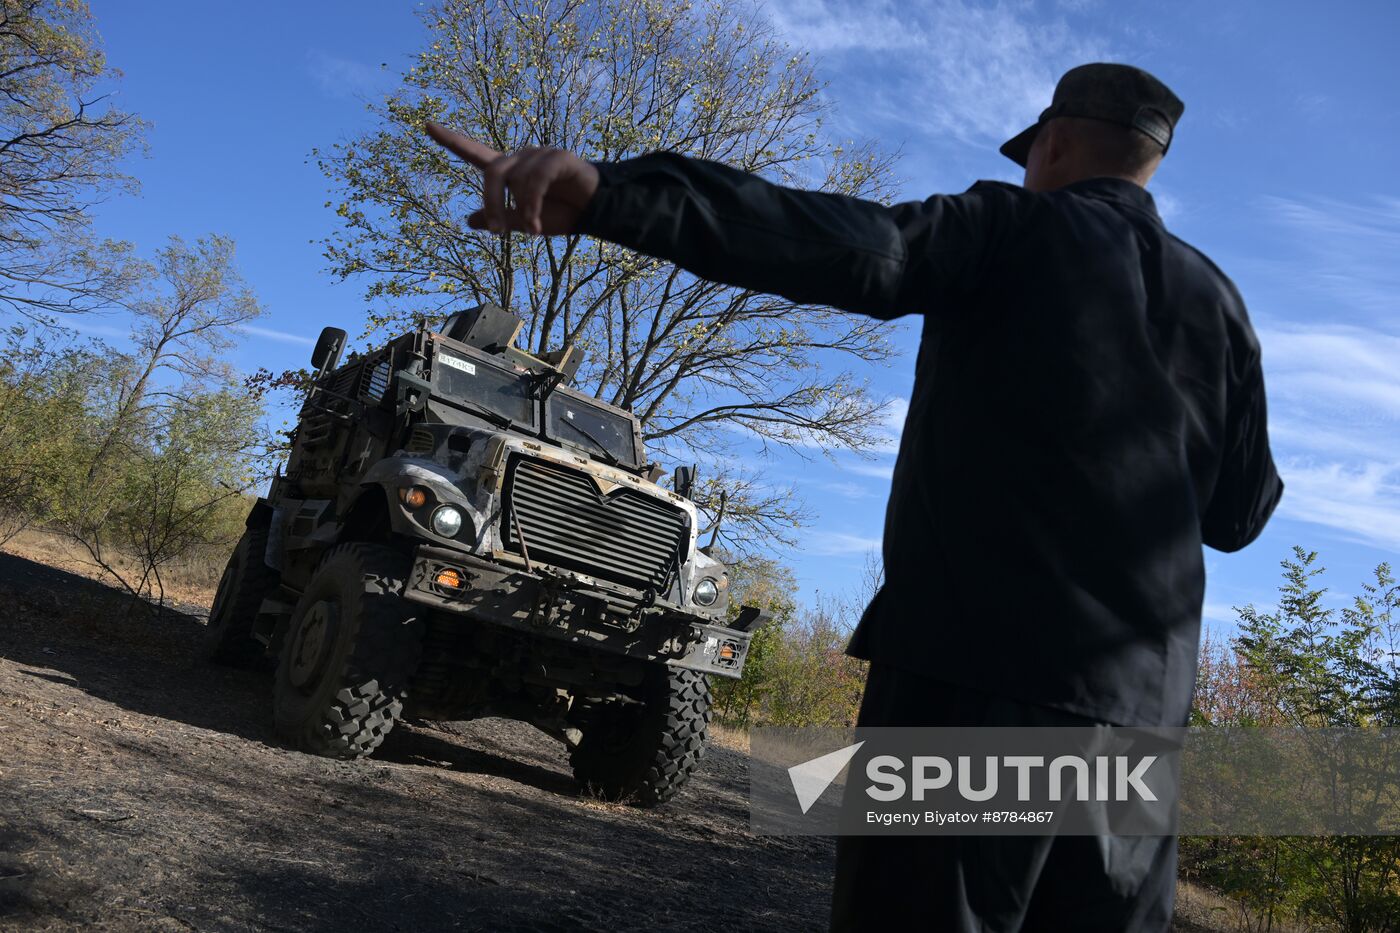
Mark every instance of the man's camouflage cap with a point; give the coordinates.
(1118, 94)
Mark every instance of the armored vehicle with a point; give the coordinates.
(459, 533)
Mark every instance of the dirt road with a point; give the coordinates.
(141, 791)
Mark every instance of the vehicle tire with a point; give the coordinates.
(246, 582)
(645, 752)
(352, 645)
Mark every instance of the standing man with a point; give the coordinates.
(1088, 409)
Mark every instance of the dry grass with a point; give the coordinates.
(188, 580)
(730, 737)
(1200, 910)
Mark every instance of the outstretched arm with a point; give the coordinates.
(732, 227)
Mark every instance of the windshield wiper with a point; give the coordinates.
(602, 449)
(499, 420)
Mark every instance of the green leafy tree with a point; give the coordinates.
(139, 455)
(1318, 673)
(767, 584)
(167, 437)
(61, 146)
(185, 489)
(1308, 664)
(1229, 691)
(705, 367)
(186, 308)
(46, 383)
(812, 681)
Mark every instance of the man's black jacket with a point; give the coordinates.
(1088, 408)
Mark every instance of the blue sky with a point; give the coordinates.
(1282, 171)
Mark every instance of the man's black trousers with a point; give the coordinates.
(993, 884)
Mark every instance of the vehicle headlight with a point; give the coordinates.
(447, 521)
(706, 592)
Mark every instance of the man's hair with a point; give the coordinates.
(1120, 150)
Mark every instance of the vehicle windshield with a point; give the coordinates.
(501, 391)
(592, 427)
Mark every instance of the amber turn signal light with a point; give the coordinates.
(726, 653)
(449, 578)
(414, 496)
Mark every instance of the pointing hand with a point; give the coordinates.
(550, 187)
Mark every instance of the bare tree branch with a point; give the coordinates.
(701, 364)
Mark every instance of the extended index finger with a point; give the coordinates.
(469, 150)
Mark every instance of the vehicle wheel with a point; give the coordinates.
(247, 581)
(645, 751)
(352, 645)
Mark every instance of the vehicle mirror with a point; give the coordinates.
(751, 618)
(328, 349)
(684, 480)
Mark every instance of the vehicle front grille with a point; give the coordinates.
(626, 537)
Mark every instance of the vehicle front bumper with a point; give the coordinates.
(565, 609)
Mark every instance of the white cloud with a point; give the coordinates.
(840, 544)
(848, 490)
(976, 73)
(834, 26)
(1377, 221)
(1334, 390)
(282, 335)
(1362, 502)
(1334, 396)
(1302, 431)
(84, 325)
(883, 471)
(341, 77)
(1334, 370)
(1347, 250)
(1219, 612)
(87, 326)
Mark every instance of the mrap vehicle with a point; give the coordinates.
(459, 533)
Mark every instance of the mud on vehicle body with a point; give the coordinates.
(458, 533)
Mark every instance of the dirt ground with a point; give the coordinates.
(140, 790)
